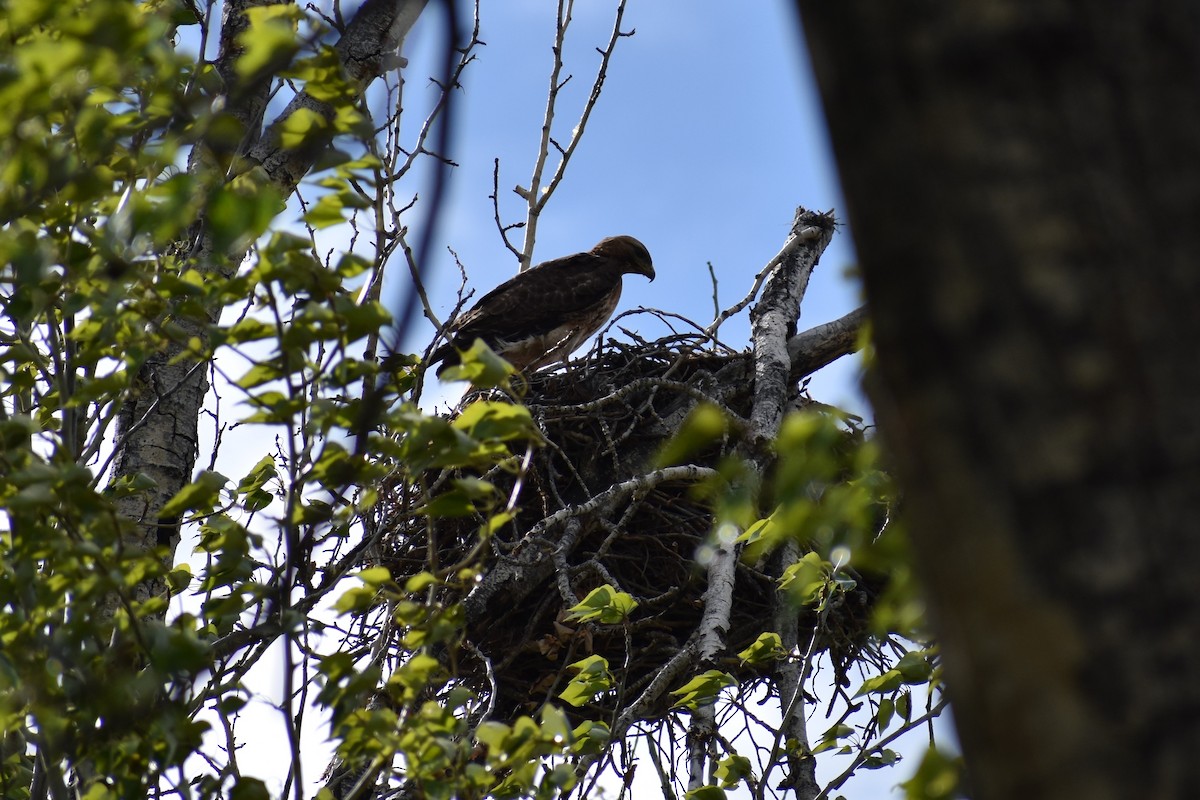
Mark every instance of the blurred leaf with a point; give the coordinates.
(938, 777)
(502, 422)
(704, 425)
(249, 789)
(269, 41)
(298, 129)
(202, 494)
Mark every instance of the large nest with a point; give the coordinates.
(587, 516)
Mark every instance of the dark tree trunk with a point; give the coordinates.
(1023, 184)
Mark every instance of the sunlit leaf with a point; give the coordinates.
(481, 366)
(766, 648)
(603, 604)
(592, 677)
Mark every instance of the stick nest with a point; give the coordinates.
(605, 417)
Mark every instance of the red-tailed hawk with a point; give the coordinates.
(541, 315)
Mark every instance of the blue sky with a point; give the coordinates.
(708, 135)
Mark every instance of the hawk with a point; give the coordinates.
(541, 315)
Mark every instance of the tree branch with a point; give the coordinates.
(374, 34)
(773, 319)
(824, 344)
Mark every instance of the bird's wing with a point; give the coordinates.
(541, 299)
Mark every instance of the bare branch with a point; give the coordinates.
(824, 344)
(718, 603)
(858, 761)
(776, 314)
(791, 244)
(500, 226)
(537, 195)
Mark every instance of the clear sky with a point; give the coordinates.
(708, 135)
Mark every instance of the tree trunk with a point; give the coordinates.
(1023, 183)
(157, 434)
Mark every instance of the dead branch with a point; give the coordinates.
(537, 195)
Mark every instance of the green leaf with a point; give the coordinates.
(300, 127)
(590, 737)
(706, 793)
(939, 777)
(702, 689)
(98, 791)
(733, 769)
(904, 706)
(916, 667)
(831, 737)
(420, 582)
(179, 578)
(269, 41)
(481, 366)
(883, 717)
(765, 528)
(361, 319)
(327, 211)
(889, 681)
(881, 759)
(240, 211)
(603, 604)
(591, 679)
(355, 600)
(462, 500)
(201, 495)
(254, 497)
(414, 675)
(250, 329)
(805, 580)
(487, 420)
(375, 576)
(249, 789)
(767, 647)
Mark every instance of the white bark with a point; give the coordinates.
(714, 624)
(157, 431)
(772, 322)
(824, 344)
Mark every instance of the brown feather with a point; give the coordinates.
(540, 316)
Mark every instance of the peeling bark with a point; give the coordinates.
(773, 320)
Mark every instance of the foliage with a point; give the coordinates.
(117, 165)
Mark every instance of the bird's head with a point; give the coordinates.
(629, 252)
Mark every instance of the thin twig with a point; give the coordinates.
(537, 195)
